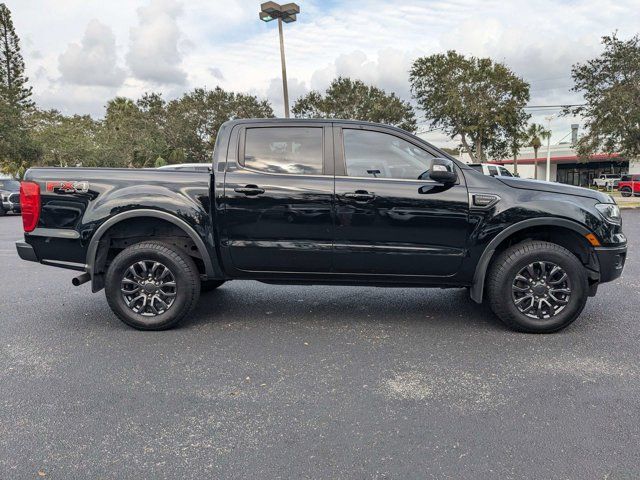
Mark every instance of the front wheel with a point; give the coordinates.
(625, 191)
(537, 287)
(152, 285)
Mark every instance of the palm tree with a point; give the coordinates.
(516, 142)
(536, 133)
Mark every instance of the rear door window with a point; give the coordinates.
(493, 171)
(286, 150)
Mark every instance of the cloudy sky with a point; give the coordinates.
(80, 53)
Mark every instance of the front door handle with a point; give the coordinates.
(249, 190)
(360, 196)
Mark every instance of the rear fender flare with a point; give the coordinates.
(184, 226)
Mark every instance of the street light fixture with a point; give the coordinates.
(283, 13)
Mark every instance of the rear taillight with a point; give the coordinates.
(30, 205)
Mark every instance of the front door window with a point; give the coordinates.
(371, 154)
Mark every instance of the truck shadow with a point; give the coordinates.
(252, 302)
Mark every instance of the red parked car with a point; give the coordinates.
(629, 185)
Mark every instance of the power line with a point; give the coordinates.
(529, 107)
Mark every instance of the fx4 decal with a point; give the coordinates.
(67, 187)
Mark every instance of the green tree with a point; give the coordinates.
(353, 100)
(475, 98)
(610, 84)
(13, 82)
(535, 134)
(129, 136)
(17, 149)
(64, 141)
(193, 121)
(517, 136)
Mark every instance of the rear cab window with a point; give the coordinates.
(284, 150)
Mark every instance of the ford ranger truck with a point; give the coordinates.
(323, 202)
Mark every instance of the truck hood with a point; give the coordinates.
(553, 187)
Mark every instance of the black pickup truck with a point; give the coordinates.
(323, 202)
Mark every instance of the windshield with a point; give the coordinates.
(10, 185)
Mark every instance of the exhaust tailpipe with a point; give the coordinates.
(79, 280)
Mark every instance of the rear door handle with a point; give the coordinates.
(360, 196)
(249, 190)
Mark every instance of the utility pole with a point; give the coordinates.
(284, 13)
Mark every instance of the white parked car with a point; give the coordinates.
(491, 169)
(608, 180)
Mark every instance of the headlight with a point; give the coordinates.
(610, 212)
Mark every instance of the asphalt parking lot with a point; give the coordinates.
(313, 382)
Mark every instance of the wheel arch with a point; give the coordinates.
(511, 232)
(114, 221)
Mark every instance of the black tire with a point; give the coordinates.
(625, 191)
(209, 285)
(503, 286)
(185, 288)
(2, 212)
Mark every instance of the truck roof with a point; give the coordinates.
(307, 120)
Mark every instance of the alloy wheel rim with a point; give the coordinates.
(148, 288)
(541, 290)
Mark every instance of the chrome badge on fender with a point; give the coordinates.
(67, 187)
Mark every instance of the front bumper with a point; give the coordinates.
(26, 252)
(11, 207)
(611, 260)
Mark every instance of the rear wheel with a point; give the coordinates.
(625, 191)
(2, 212)
(537, 287)
(152, 285)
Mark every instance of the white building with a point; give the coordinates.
(565, 165)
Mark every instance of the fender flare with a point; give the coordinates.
(477, 287)
(178, 222)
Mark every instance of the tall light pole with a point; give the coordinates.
(287, 14)
(548, 119)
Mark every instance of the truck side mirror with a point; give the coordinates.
(443, 171)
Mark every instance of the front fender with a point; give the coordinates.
(477, 287)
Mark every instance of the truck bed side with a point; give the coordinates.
(84, 210)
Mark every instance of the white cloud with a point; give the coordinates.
(389, 70)
(93, 61)
(222, 42)
(275, 94)
(216, 73)
(81, 100)
(153, 50)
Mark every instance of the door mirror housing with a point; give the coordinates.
(443, 171)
